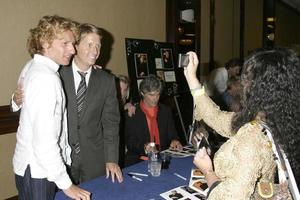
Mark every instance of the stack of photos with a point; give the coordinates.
(182, 193)
(197, 182)
(186, 151)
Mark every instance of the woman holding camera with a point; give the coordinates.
(270, 108)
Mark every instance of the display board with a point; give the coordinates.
(146, 57)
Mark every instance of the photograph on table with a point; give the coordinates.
(141, 64)
(197, 173)
(190, 149)
(188, 189)
(186, 151)
(167, 58)
(182, 193)
(200, 196)
(197, 182)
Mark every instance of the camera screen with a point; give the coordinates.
(183, 60)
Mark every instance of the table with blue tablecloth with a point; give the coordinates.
(149, 188)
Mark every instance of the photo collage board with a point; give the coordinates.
(146, 57)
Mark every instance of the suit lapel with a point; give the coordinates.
(89, 92)
(70, 86)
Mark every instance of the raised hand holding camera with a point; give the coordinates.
(183, 60)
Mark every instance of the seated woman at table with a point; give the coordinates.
(152, 122)
(271, 93)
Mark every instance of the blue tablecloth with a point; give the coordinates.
(131, 189)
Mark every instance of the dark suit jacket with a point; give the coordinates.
(137, 132)
(97, 129)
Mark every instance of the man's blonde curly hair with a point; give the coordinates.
(47, 30)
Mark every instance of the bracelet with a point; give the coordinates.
(198, 91)
(196, 88)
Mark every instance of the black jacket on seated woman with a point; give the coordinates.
(152, 122)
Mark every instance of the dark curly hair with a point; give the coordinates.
(271, 81)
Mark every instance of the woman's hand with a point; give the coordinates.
(203, 161)
(190, 71)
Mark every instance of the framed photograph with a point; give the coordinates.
(167, 58)
(141, 64)
(161, 75)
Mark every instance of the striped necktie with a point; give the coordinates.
(81, 92)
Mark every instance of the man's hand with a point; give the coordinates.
(97, 67)
(75, 192)
(115, 171)
(19, 94)
(130, 109)
(175, 145)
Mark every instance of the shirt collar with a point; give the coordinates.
(76, 68)
(49, 62)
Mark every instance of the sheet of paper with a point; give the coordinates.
(158, 63)
(170, 76)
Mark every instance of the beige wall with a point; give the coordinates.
(253, 25)
(204, 42)
(126, 18)
(143, 19)
(287, 27)
(227, 30)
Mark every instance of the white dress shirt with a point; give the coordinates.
(217, 81)
(42, 133)
(77, 77)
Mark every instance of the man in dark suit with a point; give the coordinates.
(94, 128)
(152, 122)
(94, 132)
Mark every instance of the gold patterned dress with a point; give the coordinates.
(243, 160)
